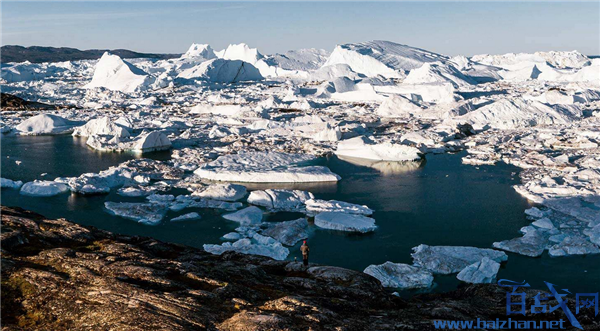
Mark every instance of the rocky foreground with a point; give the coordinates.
(57, 275)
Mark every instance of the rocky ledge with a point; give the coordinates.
(57, 275)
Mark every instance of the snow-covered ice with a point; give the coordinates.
(225, 192)
(364, 148)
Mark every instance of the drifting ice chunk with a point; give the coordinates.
(225, 110)
(223, 71)
(116, 74)
(288, 233)
(315, 206)
(145, 213)
(260, 167)
(145, 142)
(345, 222)
(249, 215)
(187, 217)
(400, 276)
(280, 199)
(7, 183)
(398, 106)
(43, 188)
(151, 141)
(573, 245)
(595, 235)
(531, 244)
(452, 259)
(224, 192)
(270, 248)
(44, 124)
(241, 52)
(480, 272)
(101, 126)
(363, 148)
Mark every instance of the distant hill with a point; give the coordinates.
(38, 54)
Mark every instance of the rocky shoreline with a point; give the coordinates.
(57, 275)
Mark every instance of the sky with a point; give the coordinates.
(450, 28)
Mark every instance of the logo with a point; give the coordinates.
(515, 301)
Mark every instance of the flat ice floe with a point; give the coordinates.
(315, 206)
(145, 213)
(400, 276)
(452, 259)
(288, 232)
(258, 244)
(259, 167)
(345, 222)
(43, 188)
(246, 216)
(186, 217)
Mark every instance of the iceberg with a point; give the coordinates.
(452, 259)
(187, 217)
(288, 232)
(265, 167)
(144, 213)
(315, 206)
(480, 272)
(145, 142)
(363, 148)
(224, 192)
(258, 245)
(246, 216)
(200, 52)
(101, 126)
(398, 106)
(116, 74)
(383, 58)
(45, 124)
(288, 200)
(345, 222)
(43, 188)
(8, 183)
(223, 71)
(400, 276)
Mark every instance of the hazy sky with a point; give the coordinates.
(445, 27)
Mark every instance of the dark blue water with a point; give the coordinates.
(439, 202)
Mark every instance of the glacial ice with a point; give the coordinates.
(114, 73)
(225, 192)
(273, 167)
(333, 220)
(43, 188)
(246, 216)
(364, 148)
(452, 259)
(101, 126)
(45, 124)
(483, 271)
(288, 200)
(400, 276)
(144, 213)
(287, 232)
(9, 183)
(223, 71)
(186, 217)
(315, 206)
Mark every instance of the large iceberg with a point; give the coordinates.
(222, 71)
(114, 73)
(383, 58)
(400, 276)
(261, 167)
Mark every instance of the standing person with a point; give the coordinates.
(305, 249)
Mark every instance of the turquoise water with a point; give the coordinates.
(437, 202)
